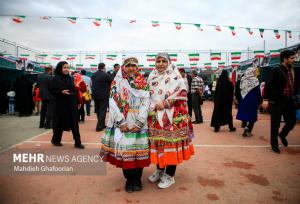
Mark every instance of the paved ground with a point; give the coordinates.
(227, 168)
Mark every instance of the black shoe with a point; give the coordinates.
(137, 185)
(233, 129)
(196, 122)
(284, 141)
(276, 150)
(88, 114)
(48, 127)
(79, 146)
(58, 144)
(41, 126)
(216, 129)
(129, 186)
(98, 130)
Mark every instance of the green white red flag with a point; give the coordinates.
(72, 19)
(90, 57)
(177, 26)
(249, 31)
(259, 53)
(194, 57)
(173, 57)
(261, 32)
(221, 65)
(151, 57)
(232, 29)
(274, 53)
(207, 65)
(155, 23)
(18, 19)
(215, 56)
(277, 35)
(111, 57)
(236, 55)
(198, 26)
(97, 22)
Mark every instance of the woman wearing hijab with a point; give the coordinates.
(66, 105)
(125, 142)
(222, 114)
(250, 100)
(170, 127)
(24, 102)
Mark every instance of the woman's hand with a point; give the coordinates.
(159, 106)
(135, 129)
(124, 128)
(66, 91)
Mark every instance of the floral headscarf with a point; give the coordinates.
(248, 81)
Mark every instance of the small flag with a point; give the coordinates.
(45, 17)
(290, 33)
(193, 65)
(261, 32)
(207, 65)
(42, 55)
(274, 53)
(259, 53)
(79, 66)
(218, 28)
(90, 57)
(235, 63)
(232, 30)
(97, 22)
(57, 56)
(198, 26)
(155, 23)
(93, 66)
(151, 57)
(215, 56)
(180, 65)
(109, 21)
(18, 19)
(277, 35)
(132, 21)
(173, 57)
(221, 65)
(71, 57)
(236, 55)
(111, 57)
(24, 56)
(178, 26)
(72, 19)
(194, 57)
(249, 31)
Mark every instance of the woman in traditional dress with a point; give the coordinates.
(170, 127)
(250, 100)
(125, 142)
(222, 114)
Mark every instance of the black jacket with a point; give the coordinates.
(274, 90)
(44, 81)
(101, 85)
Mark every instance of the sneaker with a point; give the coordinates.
(166, 181)
(155, 176)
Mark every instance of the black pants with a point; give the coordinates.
(133, 174)
(46, 116)
(170, 170)
(249, 125)
(288, 111)
(196, 106)
(101, 108)
(57, 135)
(190, 104)
(81, 113)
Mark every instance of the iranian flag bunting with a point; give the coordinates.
(218, 28)
(261, 32)
(151, 57)
(249, 31)
(236, 55)
(180, 65)
(72, 19)
(97, 22)
(259, 53)
(24, 56)
(56, 56)
(215, 56)
(277, 35)
(274, 53)
(221, 64)
(198, 26)
(235, 63)
(194, 57)
(173, 57)
(79, 66)
(177, 26)
(18, 19)
(111, 57)
(42, 55)
(155, 23)
(93, 66)
(71, 57)
(109, 21)
(207, 65)
(90, 57)
(232, 30)
(290, 33)
(193, 65)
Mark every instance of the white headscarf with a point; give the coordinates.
(249, 81)
(165, 86)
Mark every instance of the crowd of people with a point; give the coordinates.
(149, 118)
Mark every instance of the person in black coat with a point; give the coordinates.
(223, 100)
(100, 92)
(43, 81)
(280, 92)
(66, 105)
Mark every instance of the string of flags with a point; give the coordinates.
(193, 58)
(178, 25)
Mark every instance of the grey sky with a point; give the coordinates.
(60, 35)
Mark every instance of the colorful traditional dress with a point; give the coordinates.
(170, 129)
(128, 102)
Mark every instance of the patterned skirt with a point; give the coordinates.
(131, 152)
(170, 147)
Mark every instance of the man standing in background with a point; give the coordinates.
(88, 83)
(197, 89)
